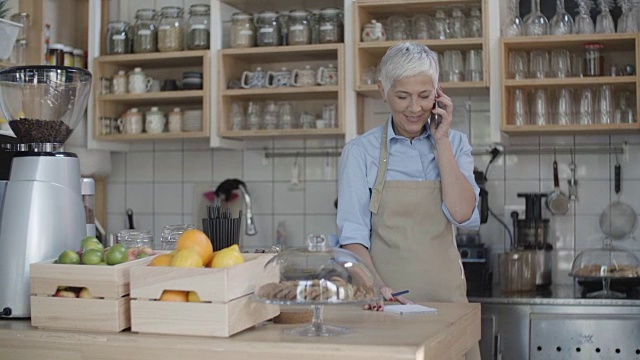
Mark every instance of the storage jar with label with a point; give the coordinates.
(243, 32)
(56, 54)
(330, 26)
(68, 56)
(268, 31)
(118, 38)
(299, 28)
(171, 29)
(198, 27)
(145, 31)
(78, 59)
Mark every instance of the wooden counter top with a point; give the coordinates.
(375, 335)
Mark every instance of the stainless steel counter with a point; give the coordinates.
(555, 295)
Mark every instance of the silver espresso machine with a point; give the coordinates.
(42, 212)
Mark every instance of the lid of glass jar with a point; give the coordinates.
(56, 47)
(317, 274)
(117, 24)
(329, 11)
(241, 16)
(298, 13)
(78, 52)
(267, 14)
(154, 109)
(146, 14)
(199, 9)
(606, 262)
(136, 70)
(171, 11)
(475, 11)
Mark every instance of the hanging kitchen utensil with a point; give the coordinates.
(130, 218)
(618, 220)
(573, 183)
(557, 201)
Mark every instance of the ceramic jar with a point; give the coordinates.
(119, 83)
(254, 79)
(304, 77)
(279, 78)
(327, 75)
(132, 120)
(154, 121)
(139, 82)
(175, 120)
(373, 31)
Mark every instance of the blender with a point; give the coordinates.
(42, 211)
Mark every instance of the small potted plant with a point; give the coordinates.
(8, 31)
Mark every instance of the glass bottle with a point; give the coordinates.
(118, 38)
(243, 31)
(299, 28)
(535, 23)
(268, 31)
(198, 27)
(145, 36)
(512, 25)
(561, 23)
(171, 234)
(330, 26)
(474, 23)
(171, 29)
(237, 116)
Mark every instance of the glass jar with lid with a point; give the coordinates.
(330, 26)
(474, 23)
(171, 234)
(171, 29)
(267, 28)
(299, 28)
(455, 25)
(136, 239)
(243, 31)
(198, 27)
(118, 38)
(145, 33)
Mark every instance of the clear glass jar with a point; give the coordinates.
(268, 31)
(198, 27)
(330, 26)
(593, 59)
(118, 38)
(440, 25)
(474, 23)
(171, 29)
(137, 239)
(299, 28)
(243, 31)
(145, 32)
(171, 234)
(456, 24)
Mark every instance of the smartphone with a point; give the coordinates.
(435, 117)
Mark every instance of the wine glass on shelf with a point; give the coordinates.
(583, 22)
(627, 22)
(604, 21)
(535, 23)
(561, 23)
(512, 25)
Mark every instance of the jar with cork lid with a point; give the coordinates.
(171, 29)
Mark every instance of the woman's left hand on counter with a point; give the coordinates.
(444, 108)
(386, 292)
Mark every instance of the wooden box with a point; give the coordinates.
(226, 307)
(110, 312)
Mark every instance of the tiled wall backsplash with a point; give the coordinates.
(163, 181)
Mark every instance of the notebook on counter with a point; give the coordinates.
(409, 309)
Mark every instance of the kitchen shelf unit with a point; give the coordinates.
(621, 46)
(161, 66)
(233, 62)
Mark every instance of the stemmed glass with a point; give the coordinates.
(604, 21)
(512, 25)
(627, 22)
(561, 23)
(583, 22)
(535, 23)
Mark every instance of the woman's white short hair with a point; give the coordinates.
(406, 60)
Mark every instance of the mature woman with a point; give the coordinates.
(405, 185)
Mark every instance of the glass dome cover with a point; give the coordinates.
(606, 262)
(316, 275)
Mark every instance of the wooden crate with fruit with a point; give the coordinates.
(68, 293)
(199, 300)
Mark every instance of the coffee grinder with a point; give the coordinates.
(531, 234)
(42, 212)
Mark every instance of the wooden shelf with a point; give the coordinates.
(454, 88)
(253, 6)
(386, 8)
(290, 53)
(570, 129)
(175, 97)
(282, 133)
(161, 136)
(611, 42)
(157, 59)
(379, 48)
(288, 93)
(630, 81)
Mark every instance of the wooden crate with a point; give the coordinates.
(226, 306)
(110, 313)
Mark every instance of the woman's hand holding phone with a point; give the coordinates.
(441, 116)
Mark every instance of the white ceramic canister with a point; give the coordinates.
(119, 83)
(154, 121)
(175, 120)
(139, 82)
(133, 121)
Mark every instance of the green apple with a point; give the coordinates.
(89, 239)
(69, 257)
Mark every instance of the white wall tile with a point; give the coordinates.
(294, 225)
(562, 260)
(140, 198)
(198, 166)
(139, 166)
(319, 143)
(480, 128)
(630, 138)
(265, 236)
(512, 188)
(588, 233)
(117, 222)
(167, 198)
(168, 145)
(187, 198)
(227, 164)
(561, 231)
(283, 168)
(286, 200)
(496, 196)
(196, 144)
(168, 166)
(493, 234)
(546, 167)
(161, 221)
(255, 167)
(496, 170)
(116, 196)
(556, 140)
(261, 197)
(592, 166)
(593, 196)
(591, 139)
(141, 146)
(630, 169)
(320, 224)
(144, 222)
(319, 197)
(288, 144)
(118, 167)
(523, 167)
(479, 103)
(259, 144)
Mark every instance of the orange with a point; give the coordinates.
(174, 295)
(162, 260)
(196, 239)
(188, 258)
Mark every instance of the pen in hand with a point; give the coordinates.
(396, 294)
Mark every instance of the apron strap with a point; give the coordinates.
(376, 195)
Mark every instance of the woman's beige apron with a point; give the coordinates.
(412, 242)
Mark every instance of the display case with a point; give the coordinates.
(614, 72)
